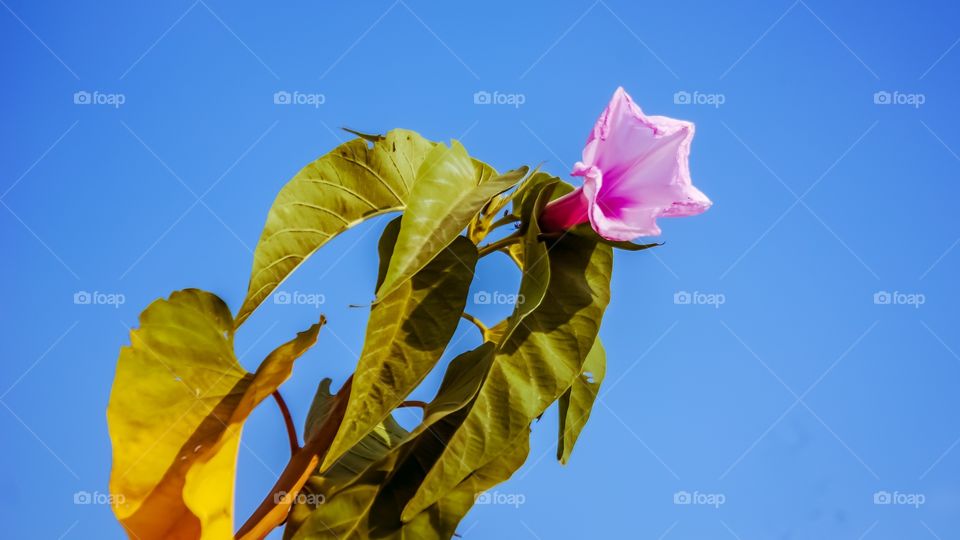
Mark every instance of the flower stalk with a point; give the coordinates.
(506, 241)
(288, 422)
(276, 505)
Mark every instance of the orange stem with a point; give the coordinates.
(276, 505)
(288, 421)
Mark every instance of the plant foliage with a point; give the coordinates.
(180, 397)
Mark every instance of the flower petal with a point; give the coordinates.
(624, 140)
(565, 212)
(635, 169)
(616, 222)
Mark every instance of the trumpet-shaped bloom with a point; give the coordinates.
(635, 169)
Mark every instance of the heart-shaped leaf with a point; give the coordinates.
(356, 181)
(177, 406)
(360, 179)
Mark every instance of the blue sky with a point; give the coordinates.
(814, 370)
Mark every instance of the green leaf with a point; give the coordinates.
(360, 179)
(577, 402)
(461, 382)
(448, 194)
(451, 509)
(439, 521)
(177, 406)
(322, 486)
(586, 231)
(531, 187)
(370, 506)
(407, 333)
(375, 513)
(384, 436)
(536, 364)
(533, 253)
(356, 181)
(528, 208)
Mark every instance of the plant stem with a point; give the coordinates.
(505, 220)
(288, 421)
(478, 323)
(414, 403)
(276, 505)
(514, 238)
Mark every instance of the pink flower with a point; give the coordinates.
(635, 169)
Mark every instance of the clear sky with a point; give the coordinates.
(790, 392)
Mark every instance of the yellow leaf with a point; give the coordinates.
(177, 406)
